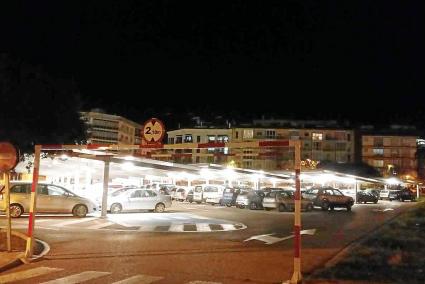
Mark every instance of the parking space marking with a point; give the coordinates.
(203, 227)
(140, 279)
(78, 278)
(30, 273)
(71, 222)
(102, 225)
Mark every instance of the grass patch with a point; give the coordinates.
(395, 253)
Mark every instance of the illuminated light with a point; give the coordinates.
(128, 166)
(229, 173)
(64, 157)
(206, 174)
(392, 181)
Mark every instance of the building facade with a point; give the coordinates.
(391, 155)
(198, 135)
(333, 145)
(105, 128)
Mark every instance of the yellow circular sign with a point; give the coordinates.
(153, 131)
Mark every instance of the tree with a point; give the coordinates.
(37, 108)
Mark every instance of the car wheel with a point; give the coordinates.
(325, 205)
(241, 206)
(348, 207)
(253, 206)
(281, 207)
(79, 210)
(159, 208)
(332, 207)
(309, 207)
(116, 208)
(376, 201)
(16, 210)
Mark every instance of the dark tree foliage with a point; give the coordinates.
(37, 108)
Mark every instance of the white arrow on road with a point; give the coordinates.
(268, 239)
(383, 210)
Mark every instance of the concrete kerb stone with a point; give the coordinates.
(14, 259)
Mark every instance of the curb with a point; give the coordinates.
(21, 257)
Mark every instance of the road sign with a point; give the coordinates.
(8, 157)
(153, 131)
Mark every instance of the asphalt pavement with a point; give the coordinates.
(259, 251)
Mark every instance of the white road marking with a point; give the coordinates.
(74, 222)
(202, 227)
(268, 239)
(78, 278)
(42, 220)
(147, 228)
(102, 225)
(21, 275)
(178, 218)
(176, 228)
(227, 227)
(140, 279)
(202, 282)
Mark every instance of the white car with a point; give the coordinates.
(138, 199)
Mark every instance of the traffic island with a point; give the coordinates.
(16, 256)
(392, 254)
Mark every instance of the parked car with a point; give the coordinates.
(189, 196)
(283, 200)
(329, 197)
(252, 199)
(384, 194)
(208, 193)
(364, 196)
(139, 199)
(50, 199)
(181, 193)
(230, 195)
(402, 195)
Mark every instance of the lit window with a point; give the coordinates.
(317, 136)
(188, 138)
(248, 134)
(378, 151)
(378, 163)
(211, 138)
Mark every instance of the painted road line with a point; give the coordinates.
(202, 282)
(78, 278)
(43, 220)
(102, 225)
(227, 227)
(21, 275)
(178, 217)
(66, 223)
(176, 228)
(203, 227)
(147, 228)
(140, 279)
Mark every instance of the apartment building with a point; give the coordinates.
(331, 145)
(105, 128)
(335, 145)
(197, 135)
(391, 155)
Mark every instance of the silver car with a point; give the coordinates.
(138, 199)
(50, 199)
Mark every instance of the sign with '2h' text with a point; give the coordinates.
(153, 131)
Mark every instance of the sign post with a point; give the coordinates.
(8, 160)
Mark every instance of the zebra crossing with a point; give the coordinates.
(137, 222)
(30, 276)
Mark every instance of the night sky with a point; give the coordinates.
(358, 60)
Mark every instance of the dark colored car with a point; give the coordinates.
(367, 196)
(329, 198)
(189, 196)
(402, 195)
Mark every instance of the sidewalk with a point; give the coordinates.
(13, 258)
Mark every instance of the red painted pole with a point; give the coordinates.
(30, 239)
(297, 276)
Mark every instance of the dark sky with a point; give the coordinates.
(325, 59)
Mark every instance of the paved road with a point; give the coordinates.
(109, 253)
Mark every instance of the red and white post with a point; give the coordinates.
(296, 276)
(31, 221)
